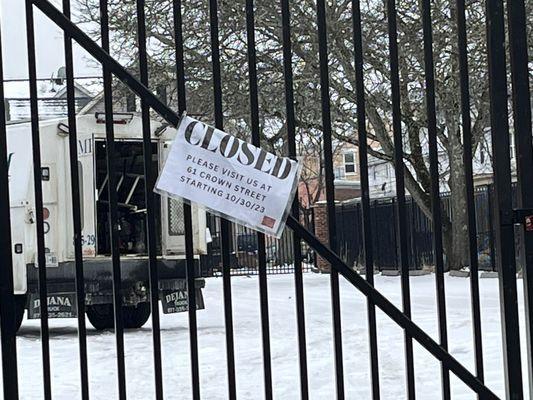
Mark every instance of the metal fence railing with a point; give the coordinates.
(279, 253)
(419, 232)
(506, 219)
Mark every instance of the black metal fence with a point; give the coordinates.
(505, 219)
(419, 232)
(244, 250)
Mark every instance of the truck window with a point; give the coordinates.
(176, 220)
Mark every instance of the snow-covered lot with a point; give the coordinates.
(174, 332)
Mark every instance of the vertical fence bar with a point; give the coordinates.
(330, 193)
(225, 234)
(150, 199)
(256, 141)
(412, 252)
(516, 16)
(296, 243)
(225, 229)
(8, 328)
(113, 215)
(401, 215)
(76, 207)
(191, 296)
(503, 217)
(38, 193)
(436, 211)
(187, 213)
(469, 183)
(365, 193)
(492, 232)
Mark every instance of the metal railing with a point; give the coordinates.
(419, 232)
(504, 218)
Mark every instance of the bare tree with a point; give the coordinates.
(342, 79)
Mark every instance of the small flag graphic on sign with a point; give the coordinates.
(267, 221)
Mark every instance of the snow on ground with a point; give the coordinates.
(175, 342)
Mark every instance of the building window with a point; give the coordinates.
(339, 173)
(381, 171)
(349, 163)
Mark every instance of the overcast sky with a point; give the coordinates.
(49, 44)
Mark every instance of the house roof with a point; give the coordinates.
(83, 90)
(47, 89)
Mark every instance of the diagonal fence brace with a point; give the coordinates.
(353, 277)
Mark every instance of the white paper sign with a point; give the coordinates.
(231, 177)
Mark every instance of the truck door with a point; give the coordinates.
(86, 181)
(173, 222)
(87, 193)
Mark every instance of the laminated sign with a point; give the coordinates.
(233, 178)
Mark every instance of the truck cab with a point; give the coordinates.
(58, 223)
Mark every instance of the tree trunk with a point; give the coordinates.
(456, 233)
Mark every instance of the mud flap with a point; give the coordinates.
(174, 298)
(60, 305)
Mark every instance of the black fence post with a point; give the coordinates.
(491, 210)
(113, 206)
(38, 197)
(76, 208)
(296, 240)
(226, 241)
(330, 192)
(150, 201)
(8, 328)
(503, 217)
(401, 221)
(365, 195)
(469, 184)
(261, 246)
(187, 212)
(516, 15)
(436, 207)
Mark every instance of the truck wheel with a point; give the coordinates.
(102, 316)
(136, 317)
(20, 307)
(20, 304)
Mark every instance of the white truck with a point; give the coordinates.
(58, 225)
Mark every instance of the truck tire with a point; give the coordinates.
(20, 304)
(102, 316)
(136, 317)
(20, 307)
